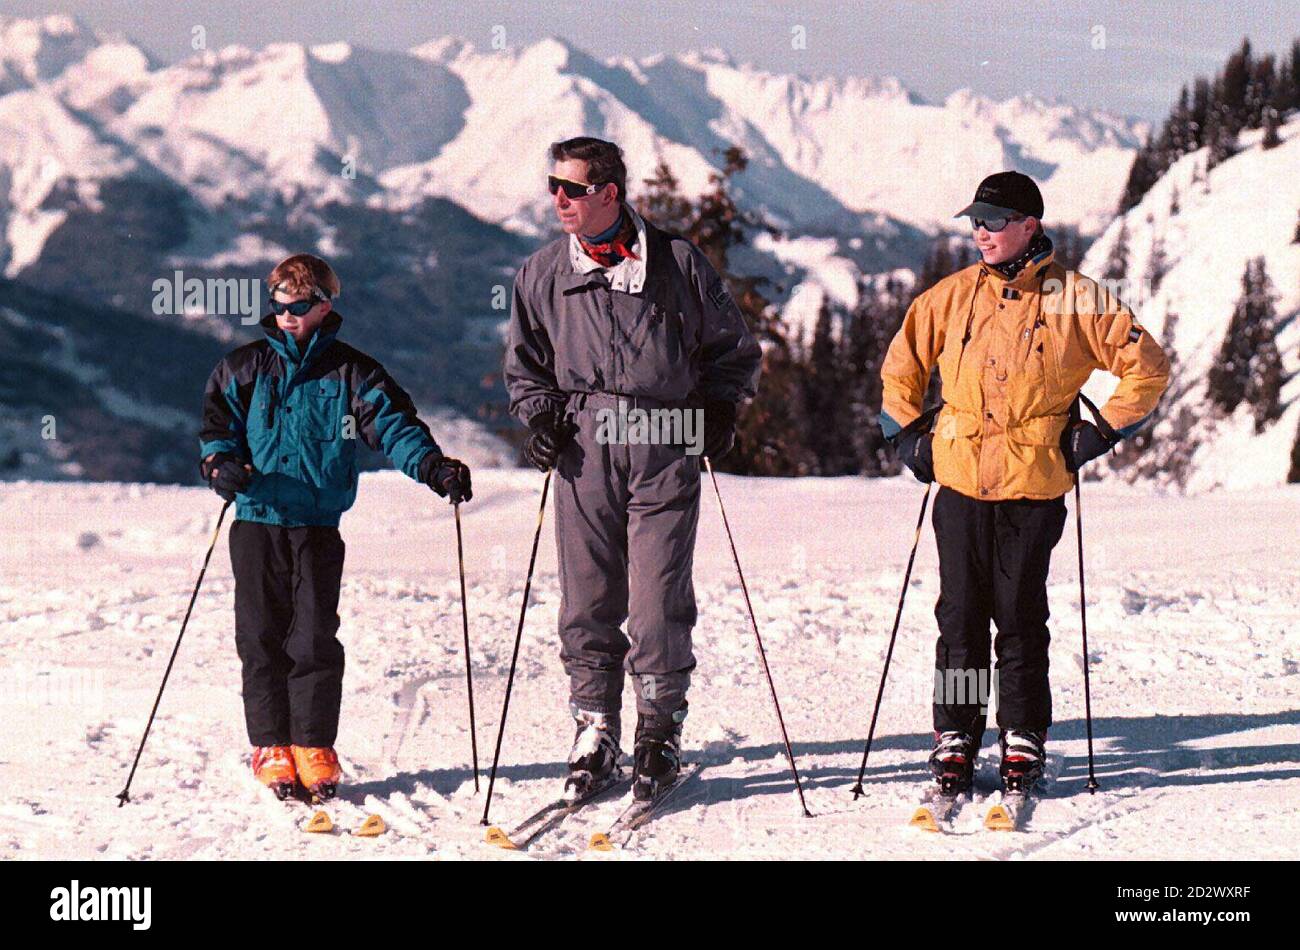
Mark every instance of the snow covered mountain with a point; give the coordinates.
(1188, 244)
(419, 173)
(60, 49)
(826, 154)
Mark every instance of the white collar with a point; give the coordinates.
(627, 275)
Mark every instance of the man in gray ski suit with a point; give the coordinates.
(626, 359)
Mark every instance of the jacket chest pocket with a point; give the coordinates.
(1030, 349)
(656, 327)
(322, 409)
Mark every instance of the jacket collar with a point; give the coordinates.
(635, 269)
(287, 346)
(1023, 273)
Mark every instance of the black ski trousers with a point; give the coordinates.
(286, 621)
(993, 564)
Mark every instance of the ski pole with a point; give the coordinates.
(762, 654)
(124, 796)
(464, 617)
(893, 635)
(514, 658)
(1083, 618)
(1076, 414)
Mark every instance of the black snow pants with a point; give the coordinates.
(993, 564)
(286, 621)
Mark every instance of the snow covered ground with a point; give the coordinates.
(1193, 611)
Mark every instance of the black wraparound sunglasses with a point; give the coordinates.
(572, 189)
(297, 308)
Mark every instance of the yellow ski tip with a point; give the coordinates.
(371, 827)
(495, 836)
(998, 819)
(319, 823)
(600, 842)
(923, 820)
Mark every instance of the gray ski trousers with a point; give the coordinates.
(625, 520)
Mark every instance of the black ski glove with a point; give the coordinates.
(550, 435)
(226, 474)
(447, 476)
(915, 450)
(1081, 443)
(719, 428)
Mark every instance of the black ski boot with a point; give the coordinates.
(1023, 757)
(593, 760)
(658, 754)
(953, 762)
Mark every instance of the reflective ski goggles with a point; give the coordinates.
(994, 225)
(572, 189)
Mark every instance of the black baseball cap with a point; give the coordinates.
(1004, 194)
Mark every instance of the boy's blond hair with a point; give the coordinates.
(304, 274)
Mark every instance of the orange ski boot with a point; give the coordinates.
(318, 770)
(273, 767)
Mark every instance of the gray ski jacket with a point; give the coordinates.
(680, 338)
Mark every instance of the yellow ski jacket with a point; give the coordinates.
(1012, 356)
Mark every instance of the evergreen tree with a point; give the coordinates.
(825, 385)
(1259, 91)
(1293, 475)
(1157, 265)
(1293, 68)
(938, 263)
(1248, 367)
(1117, 262)
(1220, 136)
(1182, 133)
(1231, 370)
(1234, 89)
(1144, 173)
(1267, 377)
(1240, 96)
(661, 201)
(872, 326)
(1199, 116)
(1271, 138)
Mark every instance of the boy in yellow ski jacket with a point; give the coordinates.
(1015, 337)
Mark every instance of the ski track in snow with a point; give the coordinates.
(1192, 629)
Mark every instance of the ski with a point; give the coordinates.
(321, 822)
(1011, 812)
(638, 814)
(550, 816)
(1019, 796)
(937, 809)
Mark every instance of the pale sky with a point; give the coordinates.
(934, 46)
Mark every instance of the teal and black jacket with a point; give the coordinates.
(296, 416)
